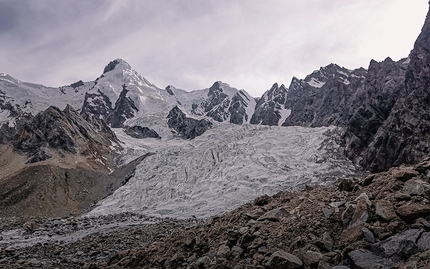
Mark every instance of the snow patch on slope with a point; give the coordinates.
(315, 83)
(285, 113)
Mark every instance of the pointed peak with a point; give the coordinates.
(283, 87)
(113, 64)
(275, 86)
(219, 84)
(69, 109)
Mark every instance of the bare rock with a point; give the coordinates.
(404, 173)
(281, 259)
(403, 244)
(413, 211)
(310, 258)
(223, 252)
(327, 241)
(385, 210)
(364, 259)
(416, 187)
(424, 242)
(274, 215)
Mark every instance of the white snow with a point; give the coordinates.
(224, 168)
(251, 104)
(343, 73)
(315, 83)
(285, 113)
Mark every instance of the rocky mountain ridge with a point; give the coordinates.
(359, 100)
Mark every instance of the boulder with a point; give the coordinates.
(424, 242)
(384, 210)
(404, 173)
(368, 235)
(360, 214)
(416, 187)
(310, 258)
(413, 211)
(351, 234)
(274, 215)
(365, 259)
(223, 252)
(327, 241)
(281, 259)
(403, 244)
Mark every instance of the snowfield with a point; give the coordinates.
(224, 168)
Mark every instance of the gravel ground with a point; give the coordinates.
(77, 242)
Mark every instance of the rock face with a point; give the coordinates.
(270, 108)
(96, 104)
(404, 136)
(217, 104)
(140, 132)
(187, 128)
(124, 109)
(63, 131)
(225, 104)
(240, 104)
(383, 86)
(325, 97)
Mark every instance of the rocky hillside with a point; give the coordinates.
(377, 221)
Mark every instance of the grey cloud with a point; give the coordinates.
(191, 43)
(7, 18)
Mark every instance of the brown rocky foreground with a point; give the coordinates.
(379, 221)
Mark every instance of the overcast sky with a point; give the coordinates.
(249, 44)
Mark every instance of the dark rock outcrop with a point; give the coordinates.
(217, 104)
(65, 131)
(96, 104)
(77, 84)
(267, 110)
(324, 97)
(238, 105)
(404, 138)
(224, 103)
(111, 66)
(124, 109)
(187, 128)
(140, 132)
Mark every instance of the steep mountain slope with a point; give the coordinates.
(271, 109)
(324, 97)
(384, 85)
(405, 135)
(66, 132)
(49, 189)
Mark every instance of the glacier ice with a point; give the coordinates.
(224, 168)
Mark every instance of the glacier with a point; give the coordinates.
(224, 168)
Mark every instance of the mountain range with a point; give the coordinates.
(377, 118)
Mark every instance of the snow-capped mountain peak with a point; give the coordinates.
(270, 109)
